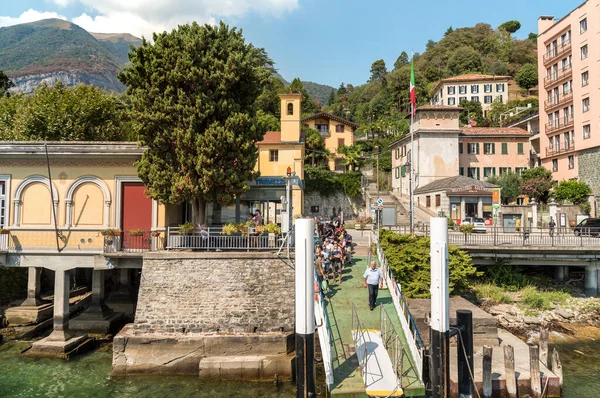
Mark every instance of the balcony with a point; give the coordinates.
(559, 124)
(569, 147)
(557, 52)
(557, 100)
(558, 76)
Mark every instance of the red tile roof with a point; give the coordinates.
(271, 137)
(326, 115)
(495, 131)
(474, 77)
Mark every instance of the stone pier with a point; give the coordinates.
(61, 340)
(591, 280)
(33, 310)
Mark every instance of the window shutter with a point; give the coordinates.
(460, 147)
(478, 176)
(477, 150)
(493, 148)
(403, 171)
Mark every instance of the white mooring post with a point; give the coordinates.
(440, 310)
(305, 318)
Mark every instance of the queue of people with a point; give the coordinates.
(333, 249)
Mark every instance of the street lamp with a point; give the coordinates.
(377, 167)
(407, 167)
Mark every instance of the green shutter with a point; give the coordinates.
(505, 148)
(478, 176)
(477, 150)
(493, 148)
(520, 148)
(461, 171)
(403, 171)
(460, 147)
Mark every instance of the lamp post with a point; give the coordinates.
(377, 167)
(407, 166)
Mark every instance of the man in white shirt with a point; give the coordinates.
(373, 279)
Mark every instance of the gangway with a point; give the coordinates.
(378, 371)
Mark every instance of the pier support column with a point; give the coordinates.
(97, 305)
(34, 285)
(561, 273)
(123, 292)
(591, 280)
(60, 330)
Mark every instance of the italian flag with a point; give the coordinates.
(413, 95)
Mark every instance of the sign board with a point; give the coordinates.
(285, 222)
(380, 202)
(388, 216)
(453, 207)
(496, 197)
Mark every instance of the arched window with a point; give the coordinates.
(290, 109)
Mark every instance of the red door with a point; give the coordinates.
(136, 214)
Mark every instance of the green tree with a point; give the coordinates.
(308, 106)
(331, 99)
(527, 76)
(498, 68)
(59, 113)
(316, 153)
(352, 156)
(532, 37)
(509, 182)
(342, 89)
(576, 192)
(402, 60)
(472, 110)
(410, 262)
(5, 84)
(378, 71)
(510, 26)
(448, 31)
(268, 100)
(536, 183)
(193, 96)
(465, 59)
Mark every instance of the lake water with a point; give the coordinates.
(89, 376)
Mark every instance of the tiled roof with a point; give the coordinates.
(445, 184)
(474, 77)
(326, 115)
(495, 131)
(271, 137)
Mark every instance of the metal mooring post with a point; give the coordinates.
(305, 317)
(464, 352)
(440, 317)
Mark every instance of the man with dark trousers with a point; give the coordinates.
(373, 279)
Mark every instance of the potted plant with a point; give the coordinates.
(186, 228)
(4, 231)
(136, 232)
(229, 229)
(272, 229)
(466, 229)
(155, 234)
(111, 232)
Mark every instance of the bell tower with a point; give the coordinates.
(290, 117)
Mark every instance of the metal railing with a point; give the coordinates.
(558, 75)
(213, 239)
(556, 150)
(325, 334)
(409, 327)
(360, 340)
(557, 100)
(558, 124)
(393, 344)
(557, 52)
(133, 242)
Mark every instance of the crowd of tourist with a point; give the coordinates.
(333, 249)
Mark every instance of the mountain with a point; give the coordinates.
(318, 92)
(53, 49)
(118, 43)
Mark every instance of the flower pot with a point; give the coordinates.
(4, 232)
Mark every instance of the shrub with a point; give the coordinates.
(186, 228)
(409, 260)
(493, 293)
(466, 228)
(506, 276)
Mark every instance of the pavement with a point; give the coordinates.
(348, 381)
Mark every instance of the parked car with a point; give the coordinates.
(478, 223)
(589, 226)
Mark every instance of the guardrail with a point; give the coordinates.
(325, 333)
(393, 344)
(360, 339)
(409, 327)
(213, 239)
(133, 242)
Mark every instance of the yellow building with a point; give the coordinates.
(336, 131)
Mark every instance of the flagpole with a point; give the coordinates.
(412, 154)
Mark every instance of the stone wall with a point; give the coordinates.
(589, 171)
(332, 206)
(191, 292)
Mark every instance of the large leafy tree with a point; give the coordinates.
(193, 97)
(465, 59)
(576, 192)
(308, 106)
(509, 182)
(510, 26)
(472, 110)
(316, 153)
(59, 113)
(537, 183)
(402, 60)
(378, 71)
(527, 76)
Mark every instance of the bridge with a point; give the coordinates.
(564, 251)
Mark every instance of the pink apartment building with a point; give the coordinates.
(569, 81)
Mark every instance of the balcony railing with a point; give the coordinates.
(558, 75)
(557, 100)
(560, 149)
(559, 124)
(557, 52)
(214, 239)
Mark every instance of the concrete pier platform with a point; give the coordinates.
(55, 348)
(96, 323)
(251, 367)
(26, 315)
(549, 380)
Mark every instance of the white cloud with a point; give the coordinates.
(62, 3)
(29, 16)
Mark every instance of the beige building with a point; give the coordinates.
(471, 87)
(336, 131)
(569, 81)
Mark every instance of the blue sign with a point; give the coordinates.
(270, 181)
(380, 202)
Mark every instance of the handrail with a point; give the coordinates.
(325, 333)
(361, 338)
(397, 349)
(211, 238)
(415, 344)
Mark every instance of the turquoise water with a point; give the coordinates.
(89, 376)
(581, 369)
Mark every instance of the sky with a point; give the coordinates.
(324, 41)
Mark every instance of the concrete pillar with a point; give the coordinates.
(60, 330)
(97, 305)
(552, 206)
(34, 284)
(591, 280)
(559, 273)
(463, 208)
(480, 207)
(122, 293)
(534, 213)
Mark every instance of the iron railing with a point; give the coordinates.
(570, 146)
(557, 100)
(360, 340)
(554, 77)
(325, 333)
(213, 239)
(559, 124)
(393, 344)
(133, 242)
(557, 52)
